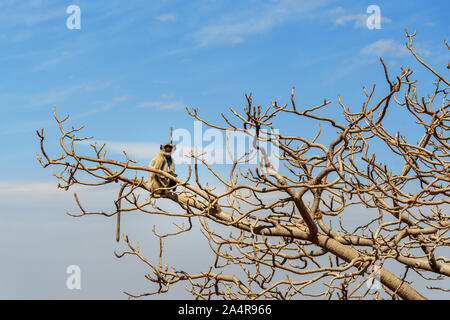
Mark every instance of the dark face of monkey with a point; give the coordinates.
(167, 149)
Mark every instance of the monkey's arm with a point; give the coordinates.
(157, 163)
(160, 162)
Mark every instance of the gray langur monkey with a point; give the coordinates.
(162, 161)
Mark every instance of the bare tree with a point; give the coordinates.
(288, 247)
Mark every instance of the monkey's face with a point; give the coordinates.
(167, 149)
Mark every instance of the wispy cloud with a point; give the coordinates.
(98, 87)
(29, 13)
(389, 49)
(57, 59)
(235, 27)
(22, 193)
(20, 20)
(60, 95)
(53, 96)
(385, 46)
(393, 49)
(168, 17)
(121, 99)
(342, 17)
(162, 105)
(103, 105)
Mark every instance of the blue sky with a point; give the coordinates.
(130, 70)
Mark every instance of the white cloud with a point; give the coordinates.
(57, 59)
(44, 15)
(162, 105)
(53, 96)
(341, 17)
(236, 27)
(359, 20)
(121, 99)
(33, 194)
(169, 17)
(385, 46)
(106, 105)
(29, 13)
(167, 95)
(98, 87)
